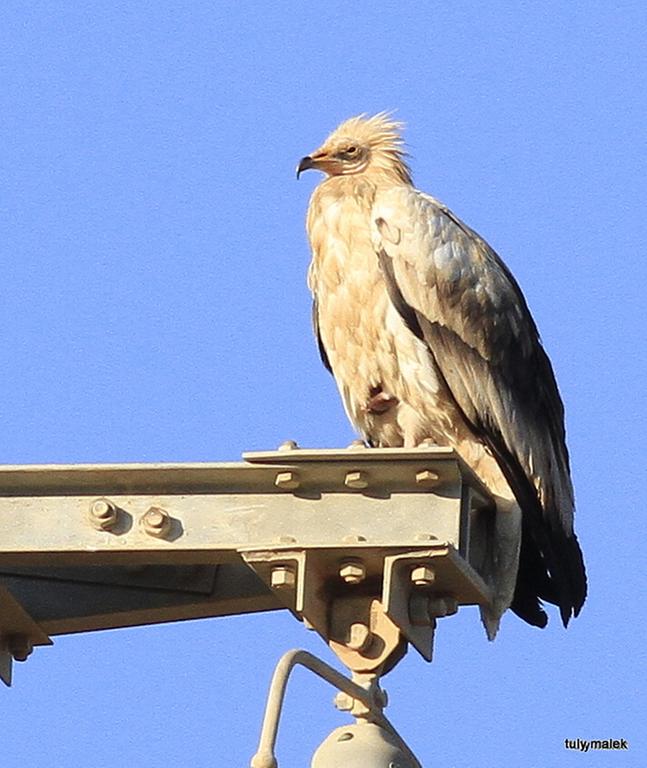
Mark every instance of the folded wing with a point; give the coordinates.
(455, 293)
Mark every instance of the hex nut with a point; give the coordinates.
(344, 702)
(359, 637)
(353, 571)
(156, 522)
(19, 646)
(103, 514)
(356, 480)
(422, 576)
(287, 481)
(426, 478)
(283, 577)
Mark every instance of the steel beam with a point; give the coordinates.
(87, 547)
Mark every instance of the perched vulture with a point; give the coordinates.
(429, 337)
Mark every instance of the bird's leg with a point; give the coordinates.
(379, 401)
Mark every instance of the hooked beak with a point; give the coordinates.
(305, 164)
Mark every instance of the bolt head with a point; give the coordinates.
(287, 480)
(283, 577)
(344, 702)
(103, 514)
(359, 637)
(156, 522)
(353, 572)
(426, 478)
(357, 480)
(19, 646)
(423, 576)
(288, 445)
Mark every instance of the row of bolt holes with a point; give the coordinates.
(357, 480)
(104, 516)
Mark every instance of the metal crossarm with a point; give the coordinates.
(86, 547)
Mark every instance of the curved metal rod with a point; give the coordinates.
(265, 757)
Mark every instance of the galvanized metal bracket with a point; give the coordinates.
(18, 634)
(368, 603)
(335, 536)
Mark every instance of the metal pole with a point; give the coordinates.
(265, 757)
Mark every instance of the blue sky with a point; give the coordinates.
(154, 308)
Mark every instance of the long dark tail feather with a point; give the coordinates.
(535, 583)
(551, 566)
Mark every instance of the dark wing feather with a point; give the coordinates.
(454, 292)
(320, 345)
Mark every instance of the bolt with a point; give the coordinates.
(381, 698)
(19, 646)
(287, 480)
(353, 571)
(288, 445)
(419, 614)
(344, 702)
(422, 576)
(426, 478)
(103, 514)
(425, 537)
(356, 480)
(286, 539)
(439, 607)
(283, 577)
(452, 606)
(359, 637)
(354, 538)
(156, 522)
(428, 443)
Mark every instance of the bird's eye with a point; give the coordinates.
(351, 150)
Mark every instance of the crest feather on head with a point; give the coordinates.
(382, 135)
